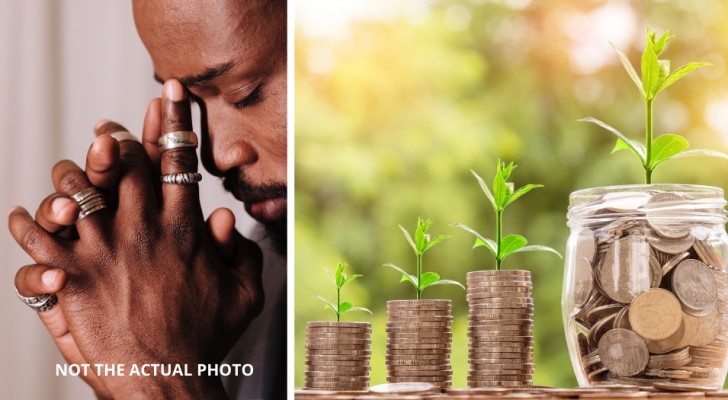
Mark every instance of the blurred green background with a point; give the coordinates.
(396, 101)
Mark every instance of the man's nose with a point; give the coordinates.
(224, 145)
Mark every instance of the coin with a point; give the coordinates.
(333, 324)
(708, 329)
(706, 252)
(695, 286)
(670, 343)
(655, 314)
(403, 388)
(662, 211)
(625, 270)
(598, 313)
(679, 387)
(673, 262)
(670, 245)
(623, 352)
(583, 283)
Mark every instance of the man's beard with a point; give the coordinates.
(234, 182)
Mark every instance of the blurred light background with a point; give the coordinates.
(397, 101)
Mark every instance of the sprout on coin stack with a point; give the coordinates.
(337, 353)
(500, 317)
(418, 331)
(645, 283)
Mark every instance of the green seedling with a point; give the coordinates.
(340, 280)
(420, 245)
(656, 77)
(502, 196)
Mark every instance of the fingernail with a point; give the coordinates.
(49, 278)
(101, 123)
(173, 90)
(59, 204)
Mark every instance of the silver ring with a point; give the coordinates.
(124, 135)
(178, 139)
(90, 200)
(182, 178)
(40, 303)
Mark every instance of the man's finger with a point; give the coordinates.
(221, 226)
(56, 212)
(35, 280)
(70, 180)
(151, 132)
(135, 188)
(247, 267)
(177, 117)
(39, 244)
(102, 164)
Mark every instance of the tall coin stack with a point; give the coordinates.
(500, 324)
(418, 341)
(337, 355)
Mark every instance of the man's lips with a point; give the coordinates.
(267, 210)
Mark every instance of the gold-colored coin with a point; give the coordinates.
(431, 379)
(334, 346)
(398, 356)
(655, 314)
(623, 352)
(331, 324)
(338, 352)
(679, 387)
(695, 286)
(670, 343)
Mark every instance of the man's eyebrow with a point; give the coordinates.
(204, 77)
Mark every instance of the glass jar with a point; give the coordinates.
(645, 285)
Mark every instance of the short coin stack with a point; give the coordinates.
(418, 341)
(500, 323)
(337, 355)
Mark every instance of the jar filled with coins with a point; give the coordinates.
(645, 285)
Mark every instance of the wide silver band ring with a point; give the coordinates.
(40, 303)
(178, 139)
(182, 178)
(124, 135)
(90, 200)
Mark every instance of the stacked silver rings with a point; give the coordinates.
(90, 200)
(178, 139)
(40, 303)
(182, 178)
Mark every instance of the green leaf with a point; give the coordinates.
(511, 243)
(621, 145)
(660, 44)
(405, 276)
(340, 275)
(327, 304)
(427, 279)
(679, 73)
(409, 238)
(499, 190)
(485, 189)
(664, 70)
(349, 279)
(488, 244)
(533, 247)
(448, 282)
(636, 149)
(630, 69)
(701, 153)
(420, 234)
(333, 280)
(666, 147)
(435, 241)
(357, 309)
(650, 70)
(520, 192)
(345, 306)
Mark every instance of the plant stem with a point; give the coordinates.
(419, 274)
(648, 140)
(338, 304)
(498, 234)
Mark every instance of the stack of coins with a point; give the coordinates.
(649, 281)
(418, 341)
(337, 355)
(500, 328)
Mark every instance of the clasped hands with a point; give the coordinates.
(146, 279)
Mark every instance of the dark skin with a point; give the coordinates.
(132, 279)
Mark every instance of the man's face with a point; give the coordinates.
(231, 55)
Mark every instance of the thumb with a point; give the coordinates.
(221, 226)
